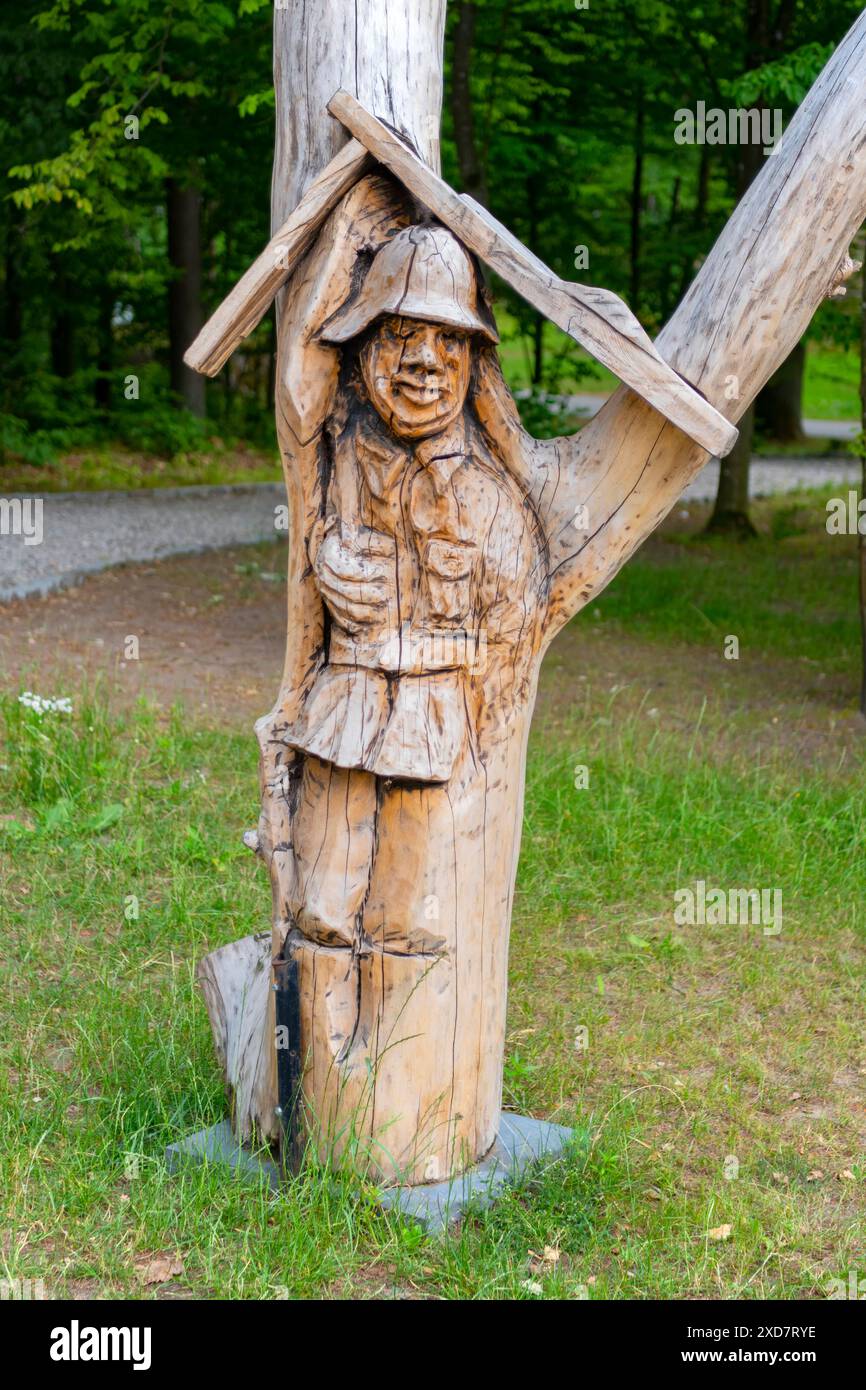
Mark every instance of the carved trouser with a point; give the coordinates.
(401, 905)
(335, 846)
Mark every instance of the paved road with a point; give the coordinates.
(87, 531)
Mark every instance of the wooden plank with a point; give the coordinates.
(236, 983)
(595, 318)
(245, 305)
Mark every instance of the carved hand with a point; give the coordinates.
(353, 569)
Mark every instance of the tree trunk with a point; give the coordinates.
(387, 52)
(185, 316)
(734, 470)
(699, 214)
(538, 351)
(472, 174)
(533, 189)
(358, 1012)
(673, 218)
(636, 205)
(104, 354)
(272, 358)
(62, 321)
(13, 302)
(779, 408)
(731, 510)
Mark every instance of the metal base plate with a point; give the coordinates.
(520, 1142)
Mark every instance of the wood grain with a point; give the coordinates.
(387, 52)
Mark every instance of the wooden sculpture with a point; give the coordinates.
(435, 550)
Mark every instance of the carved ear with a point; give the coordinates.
(308, 369)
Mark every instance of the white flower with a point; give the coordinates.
(45, 704)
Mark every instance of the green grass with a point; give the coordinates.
(114, 468)
(791, 593)
(706, 1044)
(831, 389)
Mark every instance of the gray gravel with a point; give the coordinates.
(768, 476)
(88, 531)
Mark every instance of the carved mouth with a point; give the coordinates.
(416, 393)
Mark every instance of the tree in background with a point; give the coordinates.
(140, 136)
(149, 171)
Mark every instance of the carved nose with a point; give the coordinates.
(422, 358)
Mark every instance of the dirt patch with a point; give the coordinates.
(211, 635)
(210, 630)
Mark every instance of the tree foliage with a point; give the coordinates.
(106, 103)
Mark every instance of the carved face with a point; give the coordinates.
(416, 375)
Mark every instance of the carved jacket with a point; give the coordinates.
(392, 696)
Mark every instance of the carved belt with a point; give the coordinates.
(411, 651)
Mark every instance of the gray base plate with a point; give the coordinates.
(520, 1142)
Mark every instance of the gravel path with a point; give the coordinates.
(87, 531)
(778, 475)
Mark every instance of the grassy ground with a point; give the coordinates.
(112, 467)
(832, 386)
(718, 1105)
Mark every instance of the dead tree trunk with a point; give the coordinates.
(393, 776)
(362, 1075)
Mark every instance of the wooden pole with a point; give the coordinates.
(389, 53)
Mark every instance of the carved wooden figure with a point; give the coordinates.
(435, 549)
